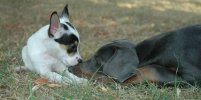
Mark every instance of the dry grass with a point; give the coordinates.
(98, 21)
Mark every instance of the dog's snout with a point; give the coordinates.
(79, 60)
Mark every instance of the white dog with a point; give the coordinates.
(52, 49)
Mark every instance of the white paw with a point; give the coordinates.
(83, 82)
(80, 81)
(66, 81)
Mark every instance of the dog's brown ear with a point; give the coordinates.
(54, 24)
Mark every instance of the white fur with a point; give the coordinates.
(44, 56)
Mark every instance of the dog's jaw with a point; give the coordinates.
(71, 61)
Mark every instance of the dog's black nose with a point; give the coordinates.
(79, 60)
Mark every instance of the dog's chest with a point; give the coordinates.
(52, 61)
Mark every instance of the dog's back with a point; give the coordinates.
(178, 51)
(164, 58)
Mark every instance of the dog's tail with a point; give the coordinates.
(21, 69)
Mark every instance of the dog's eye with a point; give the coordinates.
(72, 48)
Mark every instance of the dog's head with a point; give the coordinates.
(118, 60)
(66, 35)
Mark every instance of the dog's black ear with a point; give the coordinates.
(65, 12)
(123, 62)
(122, 65)
(54, 24)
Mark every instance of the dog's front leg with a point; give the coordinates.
(55, 77)
(64, 71)
(47, 72)
(74, 78)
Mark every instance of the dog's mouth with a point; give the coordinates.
(70, 69)
(77, 69)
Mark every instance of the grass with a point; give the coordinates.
(99, 22)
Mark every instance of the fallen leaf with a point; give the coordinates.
(103, 89)
(101, 33)
(41, 81)
(178, 92)
(107, 17)
(13, 59)
(36, 87)
(54, 85)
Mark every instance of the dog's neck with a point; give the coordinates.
(42, 34)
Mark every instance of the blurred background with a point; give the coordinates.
(98, 21)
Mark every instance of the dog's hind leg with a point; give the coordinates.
(26, 61)
(21, 69)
